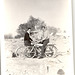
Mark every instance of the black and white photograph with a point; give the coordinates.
(38, 37)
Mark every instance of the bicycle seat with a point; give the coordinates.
(50, 44)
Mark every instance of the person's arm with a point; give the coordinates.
(30, 39)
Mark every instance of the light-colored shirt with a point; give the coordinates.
(45, 35)
(42, 35)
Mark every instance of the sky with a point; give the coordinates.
(55, 13)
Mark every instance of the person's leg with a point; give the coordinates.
(45, 42)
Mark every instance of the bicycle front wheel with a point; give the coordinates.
(51, 51)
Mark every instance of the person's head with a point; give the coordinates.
(29, 30)
(43, 28)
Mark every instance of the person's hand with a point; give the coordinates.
(33, 43)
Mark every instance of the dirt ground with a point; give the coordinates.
(34, 66)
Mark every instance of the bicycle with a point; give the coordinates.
(35, 50)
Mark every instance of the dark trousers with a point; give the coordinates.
(27, 43)
(44, 42)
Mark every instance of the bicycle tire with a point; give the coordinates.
(51, 51)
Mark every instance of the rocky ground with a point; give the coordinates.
(34, 66)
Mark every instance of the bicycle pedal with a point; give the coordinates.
(35, 56)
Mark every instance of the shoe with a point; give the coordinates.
(40, 57)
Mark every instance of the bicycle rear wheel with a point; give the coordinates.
(20, 51)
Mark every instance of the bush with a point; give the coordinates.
(8, 36)
(33, 23)
(17, 36)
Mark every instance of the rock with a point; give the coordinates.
(14, 55)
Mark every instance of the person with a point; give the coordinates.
(44, 40)
(27, 39)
